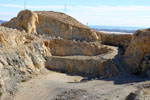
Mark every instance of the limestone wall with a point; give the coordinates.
(21, 58)
(61, 47)
(83, 65)
(121, 40)
(53, 24)
(137, 55)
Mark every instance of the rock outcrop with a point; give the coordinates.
(121, 40)
(137, 55)
(21, 58)
(61, 25)
(83, 65)
(82, 58)
(61, 47)
(52, 24)
(26, 20)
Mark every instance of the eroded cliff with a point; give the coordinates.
(121, 40)
(137, 55)
(21, 58)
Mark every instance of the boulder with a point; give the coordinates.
(26, 20)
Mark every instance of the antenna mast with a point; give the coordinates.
(65, 8)
(24, 4)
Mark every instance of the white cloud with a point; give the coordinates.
(111, 8)
(32, 6)
(11, 5)
(7, 13)
(87, 8)
(98, 15)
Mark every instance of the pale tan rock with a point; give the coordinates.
(26, 20)
(2, 83)
(121, 40)
(83, 65)
(21, 56)
(53, 24)
(24, 55)
(137, 55)
(61, 47)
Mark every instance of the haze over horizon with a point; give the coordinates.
(96, 12)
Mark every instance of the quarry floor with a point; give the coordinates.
(59, 86)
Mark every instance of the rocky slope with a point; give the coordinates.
(121, 40)
(137, 55)
(53, 24)
(61, 25)
(35, 41)
(38, 40)
(21, 58)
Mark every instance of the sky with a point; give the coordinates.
(132, 13)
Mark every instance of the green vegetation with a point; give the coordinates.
(1, 93)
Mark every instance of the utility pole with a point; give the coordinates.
(65, 8)
(24, 4)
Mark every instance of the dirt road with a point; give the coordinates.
(57, 85)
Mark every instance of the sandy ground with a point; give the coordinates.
(58, 86)
(47, 87)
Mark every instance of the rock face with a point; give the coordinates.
(81, 58)
(53, 24)
(60, 47)
(137, 55)
(26, 20)
(121, 40)
(82, 65)
(61, 25)
(21, 58)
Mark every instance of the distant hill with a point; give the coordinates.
(115, 28)
(1, 21)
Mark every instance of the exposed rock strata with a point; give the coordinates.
(137, 55)
(121, 40)
(82, 58)
(52, 23)
(83, 65)
(26, 20)
(61, 25)
(60, 47)
(21, 58)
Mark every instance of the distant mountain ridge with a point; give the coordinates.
(115, 28)
(1, 21)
